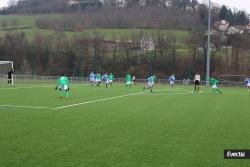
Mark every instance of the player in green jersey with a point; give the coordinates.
(111, 78)
(128, 80)
(63, 86)
(214, 83)
(98, 79)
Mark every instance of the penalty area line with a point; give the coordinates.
(73, 105)
(99, 100)
(78, 104)
(106, 99)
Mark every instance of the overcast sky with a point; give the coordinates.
(3, 3)
(240, 4)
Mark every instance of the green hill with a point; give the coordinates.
(30, 29)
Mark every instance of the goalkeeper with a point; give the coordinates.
(63, 86)
(214, 83)
(10, 76)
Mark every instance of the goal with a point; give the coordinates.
(5, 67)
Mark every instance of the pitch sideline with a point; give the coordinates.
(31, 87)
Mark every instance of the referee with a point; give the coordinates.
(197, 80)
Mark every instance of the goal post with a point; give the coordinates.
(5, 67)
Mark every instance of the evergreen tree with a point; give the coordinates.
(194, 3)
(241, 18)
(223, 12)
(230, 17)
(177, 3)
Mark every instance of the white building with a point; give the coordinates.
(222, 25)
(167, 3)
(118, 3)
(121, 3)
(72, 2)
(233, 30)
(147, 44)
(143, 3)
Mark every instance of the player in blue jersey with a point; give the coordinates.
(105, 78)
(172, 80)
(247, 80)
(92, 78)
(150, 83)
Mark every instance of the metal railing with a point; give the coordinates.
(34, 79)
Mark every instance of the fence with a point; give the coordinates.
(33, 79)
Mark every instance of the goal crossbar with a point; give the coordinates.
(7, 62)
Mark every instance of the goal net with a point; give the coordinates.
(5, 67)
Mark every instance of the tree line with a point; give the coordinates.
(134, 17)
(78, 56)
(62, 6)
(181, 14)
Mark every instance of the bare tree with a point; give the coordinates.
(12, 3)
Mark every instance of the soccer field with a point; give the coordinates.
(122, 127)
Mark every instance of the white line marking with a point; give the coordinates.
(105, 99)
(14, 88)
(185, 93)
(99, 100)
(82, 103)
(30, 107)
(39, 86)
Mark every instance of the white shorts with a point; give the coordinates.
(97, 80)
(171, 82)
(128, 83)
(111, 81)
(92, 80)
(107, 81)
(63, 87)
(150, 84)
(248, 85)
(214, 87)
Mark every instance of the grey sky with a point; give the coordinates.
(3, 3)
(239, 4)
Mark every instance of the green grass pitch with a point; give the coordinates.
(122, 127)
